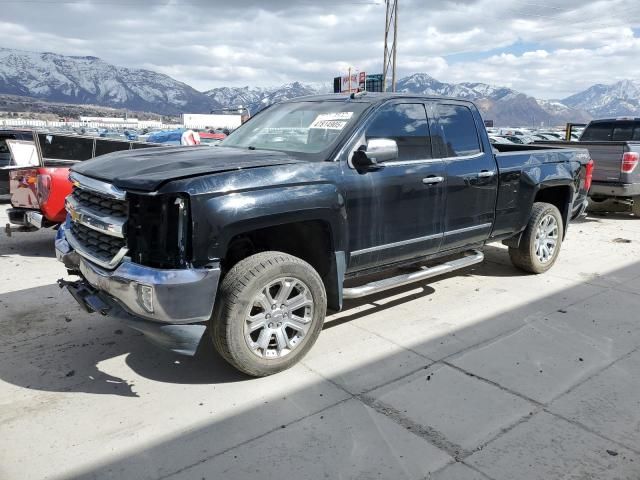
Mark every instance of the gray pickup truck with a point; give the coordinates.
(614, 146)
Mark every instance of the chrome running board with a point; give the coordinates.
(471, 258)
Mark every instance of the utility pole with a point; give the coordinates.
(391, 23)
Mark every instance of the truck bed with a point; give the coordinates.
(607, 157)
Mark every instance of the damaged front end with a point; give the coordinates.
(130, 255)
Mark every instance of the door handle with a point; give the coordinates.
(432, 180)
(486, 174)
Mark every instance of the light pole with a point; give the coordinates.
(391, 21)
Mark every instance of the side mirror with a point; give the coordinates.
(374, 154)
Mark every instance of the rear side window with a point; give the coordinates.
(459, 129)
(406, 123)
(612, 132)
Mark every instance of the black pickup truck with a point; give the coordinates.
(256, 237)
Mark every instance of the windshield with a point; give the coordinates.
(308, 128)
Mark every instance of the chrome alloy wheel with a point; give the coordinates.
(546, 238)
(279, 318)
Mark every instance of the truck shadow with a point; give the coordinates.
(558, 339)
(28, 244)
(598, 216)
(50, 344)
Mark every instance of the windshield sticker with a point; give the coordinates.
(332, 121)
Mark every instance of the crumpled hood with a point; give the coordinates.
(147, 169)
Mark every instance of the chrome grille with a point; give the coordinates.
(99, 245)
(99, 203)
(98, 214)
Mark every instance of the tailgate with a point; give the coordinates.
(22, 184)
(22, 181)
(608, 161)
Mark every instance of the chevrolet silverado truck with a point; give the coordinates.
(252, 240)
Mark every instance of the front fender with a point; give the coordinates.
(218, 219)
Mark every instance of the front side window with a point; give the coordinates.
(406, 123)
(459, 129)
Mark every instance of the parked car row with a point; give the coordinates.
(525, 137)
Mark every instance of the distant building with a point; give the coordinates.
(202, 121)
(111, 120)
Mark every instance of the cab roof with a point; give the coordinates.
(369, 97)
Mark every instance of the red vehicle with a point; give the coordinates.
(38, 191)
(207, 138)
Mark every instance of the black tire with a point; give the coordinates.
(235, 298)
(524, 256)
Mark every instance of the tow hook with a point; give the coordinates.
(86, 296)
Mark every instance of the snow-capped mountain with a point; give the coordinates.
(501, 104)
(425, 84)
(621, 98)
(258, 98)
(89, 80)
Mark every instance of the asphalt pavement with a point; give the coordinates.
(488, 373)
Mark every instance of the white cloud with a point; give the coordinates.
(533, 46)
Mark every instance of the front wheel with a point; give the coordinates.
(269, 312)
(541, 240)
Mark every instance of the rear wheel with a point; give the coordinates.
(269, 313)
(541, 241)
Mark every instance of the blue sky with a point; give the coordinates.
(549, 49)
(517, 48)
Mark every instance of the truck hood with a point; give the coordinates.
(147, 169)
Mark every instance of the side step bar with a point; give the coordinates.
(471, 258)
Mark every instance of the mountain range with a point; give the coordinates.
(90, 80)
(85, 80)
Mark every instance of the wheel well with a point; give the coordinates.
(310, 240)
(558, 196)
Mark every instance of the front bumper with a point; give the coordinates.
(168, 296)
(168, 306)
(614, 189)
(182, 339)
